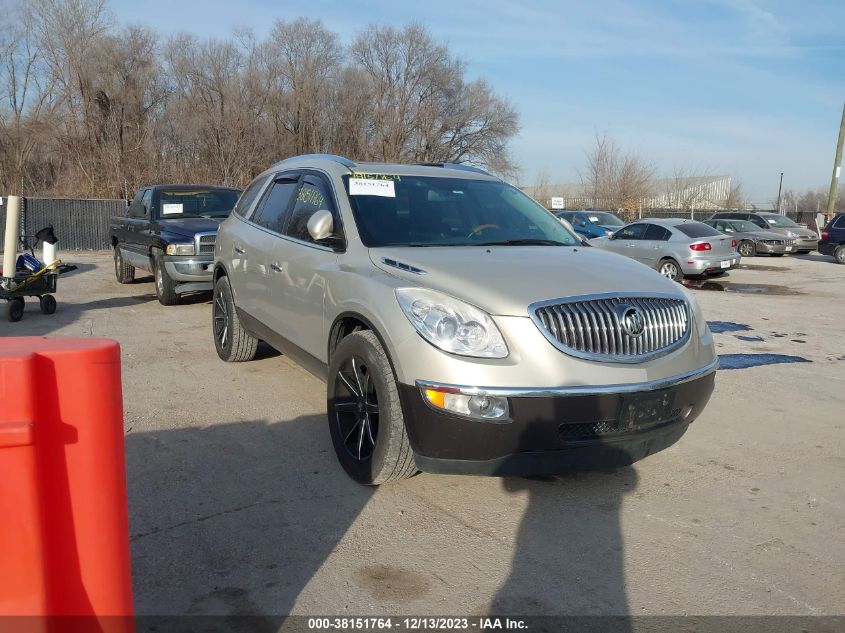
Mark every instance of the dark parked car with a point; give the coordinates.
(833, 239)
(592, 223)
(806, 240)
(752, 240)
(170, 231)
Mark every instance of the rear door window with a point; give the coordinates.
(655, 232)
(248, 197)
(272, 210)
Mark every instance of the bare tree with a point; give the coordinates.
(615, 179)
(736, 196)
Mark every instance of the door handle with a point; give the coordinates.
(276, 266)
(238, 250)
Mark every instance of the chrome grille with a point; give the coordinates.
(773, 242)
(205, 243)
(592, 327)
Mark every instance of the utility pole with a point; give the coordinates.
(780, 186)
(837, 165)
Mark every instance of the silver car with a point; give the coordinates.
(676, 248)
(752, 240)
(459, 326)
(806, 240)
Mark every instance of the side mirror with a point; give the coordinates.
(320, 225)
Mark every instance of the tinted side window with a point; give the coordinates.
(248, 196)
(756, 219)
(654, 232)
(146, 205)
(840, 222)
(312, 196)
(633, 232)
(271, 212)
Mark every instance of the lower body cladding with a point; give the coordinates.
(546, 433)
(192, 274)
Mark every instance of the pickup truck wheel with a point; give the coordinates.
(125, 273)
(165, 286)
(365, 415)
(839, 254)
(233, 343)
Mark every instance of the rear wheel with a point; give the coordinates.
(165, 286)
(123, 272)
(48, 304)
(232, 342)
(839, 254)
(365, 415)
(670, 269)
(746, 249)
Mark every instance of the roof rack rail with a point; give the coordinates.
(332, 157)
(460, 166)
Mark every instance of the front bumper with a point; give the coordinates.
(710, 265)
(555, 430)
(773, 249)
(189, 268)
(806, 243)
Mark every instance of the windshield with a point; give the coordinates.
(779, 221)
(195, 203)
(432, 211)
(604, 219)
(743, 226)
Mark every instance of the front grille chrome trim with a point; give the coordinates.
(590, 327)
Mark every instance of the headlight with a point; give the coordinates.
(450, 324)
(180, 249)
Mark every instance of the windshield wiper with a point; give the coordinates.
(524, 242)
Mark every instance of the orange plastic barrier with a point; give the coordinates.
(64, 534)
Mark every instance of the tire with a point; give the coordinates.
(368, 433)
(123, 272)
(670, 269)
(48, 304)
(232, 342)
(746, 249)
(839, 254)
(14, 309)
(165, 286)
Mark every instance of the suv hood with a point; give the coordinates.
(190, 226)
(505, 280)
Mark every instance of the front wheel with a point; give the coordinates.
(365, 415)
(14, 309)
(746, 249)
(670, 269)
(165, 286)
(232, 342)
(839, 254)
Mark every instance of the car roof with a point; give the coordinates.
(666, 221)
(340, 166)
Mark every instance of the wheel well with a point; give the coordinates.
(219, 272)
(342, 328)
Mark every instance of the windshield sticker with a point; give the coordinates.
(171, 209)
(376, 176)
(371, 187)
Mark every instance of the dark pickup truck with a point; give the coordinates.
(170, 231)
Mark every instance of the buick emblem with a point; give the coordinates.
(633, 321)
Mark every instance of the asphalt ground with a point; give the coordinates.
(238, 506)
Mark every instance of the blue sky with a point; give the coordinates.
(740, 87)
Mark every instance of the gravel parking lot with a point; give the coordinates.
(237, 504)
